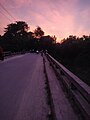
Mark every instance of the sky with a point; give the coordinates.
(56, 17)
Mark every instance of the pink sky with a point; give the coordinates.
(56, 17)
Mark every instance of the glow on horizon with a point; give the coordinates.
(56, 17)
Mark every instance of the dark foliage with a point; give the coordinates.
(74, 53)
(16, 38)
(38, 32)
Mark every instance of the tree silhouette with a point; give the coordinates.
(38, 32)
(15, 36)
(17, 27)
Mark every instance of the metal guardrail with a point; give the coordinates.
(77, 89)
(8, 53)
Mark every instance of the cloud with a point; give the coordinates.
(59, 17)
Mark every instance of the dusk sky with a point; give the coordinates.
(56, 17)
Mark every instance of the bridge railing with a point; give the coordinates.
(76, 88)
(7, 53)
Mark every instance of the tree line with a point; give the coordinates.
(17, 38)
(74, 53)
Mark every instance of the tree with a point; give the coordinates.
(47, 42)
(17, 27)
(38, 32)
(16, 35)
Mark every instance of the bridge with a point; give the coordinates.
(35, 87)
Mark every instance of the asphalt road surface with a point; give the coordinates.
(22, 93)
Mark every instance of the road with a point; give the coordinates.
(22, 93)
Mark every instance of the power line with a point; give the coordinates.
(7, 11)
(6, 16)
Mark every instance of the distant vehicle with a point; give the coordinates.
(37, 52)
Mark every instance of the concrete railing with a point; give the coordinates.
(76, 88)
